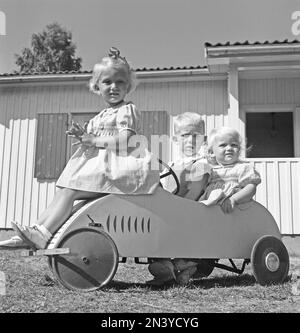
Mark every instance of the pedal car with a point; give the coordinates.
(85, 252)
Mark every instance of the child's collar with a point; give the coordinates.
(116, 105)
(219, 165)
(187, 159)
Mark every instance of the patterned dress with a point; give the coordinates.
(96, 169)
(230, 179)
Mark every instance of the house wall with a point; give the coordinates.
(209, 98)
(272, 95)
(22, 197)
(273, 91)
(279, 190)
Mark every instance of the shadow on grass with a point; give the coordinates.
(205, 283)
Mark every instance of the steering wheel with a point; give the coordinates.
(168, 173)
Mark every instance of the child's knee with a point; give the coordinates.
(69, 193)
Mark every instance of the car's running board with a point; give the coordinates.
(45, 252)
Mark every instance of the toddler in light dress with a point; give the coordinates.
(104, 163)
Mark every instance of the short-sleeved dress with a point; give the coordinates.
(230, 179)
(96, 169)
(187, 170)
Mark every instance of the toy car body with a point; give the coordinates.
(163, 225)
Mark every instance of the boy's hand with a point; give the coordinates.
(228, 205)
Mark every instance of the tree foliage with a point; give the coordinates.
(51, 51)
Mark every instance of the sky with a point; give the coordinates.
(149, 33)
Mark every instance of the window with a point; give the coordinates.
(51, 145)
(270, 134)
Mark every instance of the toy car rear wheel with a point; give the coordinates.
(92, 262)
(269, 260)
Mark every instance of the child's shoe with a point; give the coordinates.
(184, 276)
(31, 235)
(14, 242)
(182, 264)
(162, 269)
(157, 282)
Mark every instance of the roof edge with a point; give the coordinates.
(141, 74)
(252, 49)
(257, 43)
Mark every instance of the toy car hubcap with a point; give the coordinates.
(272, 262)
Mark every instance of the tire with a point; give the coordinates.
(269, 260)
(92, 262)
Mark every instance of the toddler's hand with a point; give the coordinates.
(76, 130)
(88, 140)
(228, 205)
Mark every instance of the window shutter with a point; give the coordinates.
(156, 123)
(51, 145)
(80, 118)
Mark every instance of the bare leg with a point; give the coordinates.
(49, 222)
(61, 207)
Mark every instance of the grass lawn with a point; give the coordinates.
(30, 288)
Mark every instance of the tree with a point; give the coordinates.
(51, 51)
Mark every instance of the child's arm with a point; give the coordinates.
(243, 195)
(107, 142)
(127, 120)
(249, 178)
(197, 188)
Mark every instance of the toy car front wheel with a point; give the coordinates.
(269, 260)
(92, 262)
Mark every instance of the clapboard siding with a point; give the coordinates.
(269, 91)
(279, 191)
(208, 98)
(22, 196)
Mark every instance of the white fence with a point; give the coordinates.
(279, 191)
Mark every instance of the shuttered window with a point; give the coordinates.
(152, 123)
(51, 145)
(54, 147)
(156, 123)
(80, 118)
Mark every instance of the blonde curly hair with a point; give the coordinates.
(215, 134)
(117, 62)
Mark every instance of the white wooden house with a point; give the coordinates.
(252, 87)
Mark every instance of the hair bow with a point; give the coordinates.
(115, 54)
